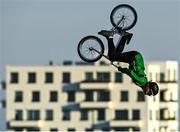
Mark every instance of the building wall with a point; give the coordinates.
(149, 109)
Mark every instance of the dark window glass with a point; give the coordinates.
(140, 96)
(88, 95)
(53, 96)
(35, 96)
(33, 115)
(3, 84)
(49, 77)
(118, 77)
(66, 115)
(71, 129)
(136, 115)
(66, 77)
(121, 115)
(71, 96)
(84, 114)
(89, 76)
(89, 129)
(162, 95)
(3, 103)
(32, 77)
(53, 130)
(162, 77)
(103, 76)
(49, 114)
(124, 96)
(18, 96)
(101, 114)
(14, 77)
(18, 115)
(103, 96)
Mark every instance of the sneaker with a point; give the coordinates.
(106, 33)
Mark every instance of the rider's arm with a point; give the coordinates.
(140, 80)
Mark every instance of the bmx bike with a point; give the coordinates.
(90, 48)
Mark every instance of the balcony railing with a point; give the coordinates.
(95, 81)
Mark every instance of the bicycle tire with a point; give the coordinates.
(128, 7)
(82, 43)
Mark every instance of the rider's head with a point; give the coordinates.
(151, 89)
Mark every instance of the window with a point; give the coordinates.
(140, 96)
(53, 96)
(18, 115)
(118, 77)
(35, 96)
(49, 77)
(84, 114)
(18, 96)
(124, 96)
(162, 77)
(101, 114)
(31, 77)
(49, 114)
(162, 95)
(14, 77)
(3, 85)
(71, 129)
(3, 103)
(53, 130)
(89, 129)
(150, 115)
(66, 115)
(103, 95)
(121, 115)
(71, 96)
(103, 76)
(88, 76)
(88, 95)
(136, 115)
(66, 77)
(33, 115)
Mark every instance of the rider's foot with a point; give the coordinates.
(106, 33)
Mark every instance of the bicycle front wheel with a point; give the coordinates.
(123, 17)
(90, 48)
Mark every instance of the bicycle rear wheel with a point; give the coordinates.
(90, 48)
(123, 17)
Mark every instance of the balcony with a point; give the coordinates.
(126, 123)
(94, 105)
(94, 84)
(25, 124)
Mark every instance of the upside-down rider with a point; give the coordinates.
(133, 58)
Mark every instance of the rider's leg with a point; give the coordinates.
(125, 37)
(127, 57)
(111, 49)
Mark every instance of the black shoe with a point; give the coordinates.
(106, 33)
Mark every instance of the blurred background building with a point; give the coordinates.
(83, 97)
(2, 106)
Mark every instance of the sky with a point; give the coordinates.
(36, 31)
(33, 32)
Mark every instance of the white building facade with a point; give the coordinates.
(82, 97)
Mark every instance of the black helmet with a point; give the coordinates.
(154, 88)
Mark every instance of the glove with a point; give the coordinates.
(123, 70)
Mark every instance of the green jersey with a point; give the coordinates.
(136, 70)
